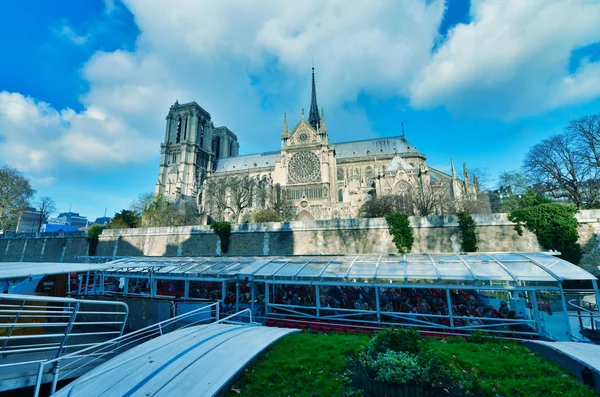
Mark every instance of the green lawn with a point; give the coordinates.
(313, 364)
(510, 369)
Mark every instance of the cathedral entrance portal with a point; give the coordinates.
(305, 216)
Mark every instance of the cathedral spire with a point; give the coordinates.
(285, 131)
(453, 170)
(313, 116)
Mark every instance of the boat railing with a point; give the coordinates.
(51, 326)
(67, 365)
(586, 312)
(97, 259)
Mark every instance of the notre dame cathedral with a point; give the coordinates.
(324, 180)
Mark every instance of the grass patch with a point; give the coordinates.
(510, 369)
(301, 365)
(313, 364)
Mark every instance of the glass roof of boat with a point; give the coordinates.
(441, 268)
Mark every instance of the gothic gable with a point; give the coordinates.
(303, 134)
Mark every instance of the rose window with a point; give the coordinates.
(304, 167)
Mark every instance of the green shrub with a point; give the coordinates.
(554, 225)
(402, 233)
(401, 340)
(266, 216)
(93, 235)
(402, 356)
(468, 239)
(223, 230)
(394, 367)
(440, 370)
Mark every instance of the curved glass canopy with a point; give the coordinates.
(409, 268)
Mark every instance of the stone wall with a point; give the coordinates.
(345, 236)
(42, 247)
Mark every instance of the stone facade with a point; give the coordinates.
(323, 180)
(191, 147)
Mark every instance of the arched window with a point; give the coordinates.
(369, 176)
(201, 135)
(340, 174)
(340, 195)
(278, 192)
(178, 136)
(185, 128)
(230, 149)
(217, 147)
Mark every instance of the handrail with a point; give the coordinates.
(225, 319)
(24, 312)
(123, 342)
(593, 312)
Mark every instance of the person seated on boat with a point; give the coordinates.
(504, 309)
(512, 315)
(405, 306)
(488, 313)
(480, 308)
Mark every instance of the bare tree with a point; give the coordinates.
(559, 166)
(231, 194)
(47, 207)
(381, 206)
(15, 193)
(142, 202)
(431, 196)
(216, 198)
(587, 131)
(276, 200)
(513, 182)
(241, 191)
(510, 187)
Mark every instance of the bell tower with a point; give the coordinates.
(189, 150)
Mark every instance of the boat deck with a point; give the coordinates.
(198, 361)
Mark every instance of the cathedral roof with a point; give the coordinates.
(345, 150)
(247, 162)
(374, 147)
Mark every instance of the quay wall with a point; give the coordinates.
(342, 236)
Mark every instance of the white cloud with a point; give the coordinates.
(248, 62)
(38, 139)
(512, 59)
(371, 45)
(109, 6)
(67, 31)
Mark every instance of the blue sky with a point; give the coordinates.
(85, 85)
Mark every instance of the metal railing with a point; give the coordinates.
(99, 353)
(587, 314)
(98, 259)
(55, 326)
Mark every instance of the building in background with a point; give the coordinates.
(323, 180)
(67, 221)
(102, 221)
(29, 221)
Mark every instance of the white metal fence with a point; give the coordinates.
(66, 366)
